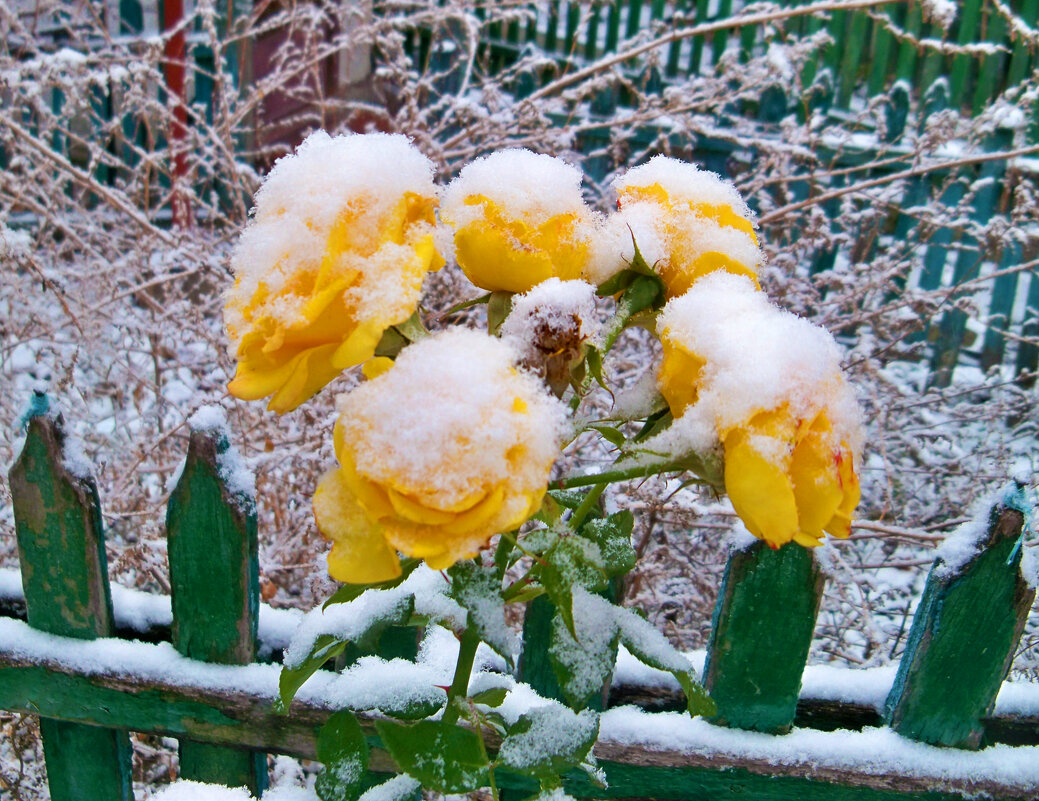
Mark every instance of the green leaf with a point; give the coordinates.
(367, 640)
(613, 536)
(498, 307)
(399, 788)
(550, 512)
(291, 679)
(349, 592)
(652, 648)
(540, 540)
(478, 589)
(343, 749)
(549, 740)
(567, 498)
(578, 562)
(654, 424)
(560, 593)
(697, 701)
(412, 329)
(583, 663)
(415, 707)
(492, 697)
(612, 435)
(446, 758)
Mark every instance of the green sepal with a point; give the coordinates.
(613, 536)
(593, 359)
(467, 304)
(498, 307)
(391, 343)
(343, 750)
(445, 757)
(349, 592)
(412, 329)
(550, 511)
(655, 423)
(326, 647)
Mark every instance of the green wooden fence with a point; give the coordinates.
(960, 647)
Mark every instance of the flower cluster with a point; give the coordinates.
(453, 440)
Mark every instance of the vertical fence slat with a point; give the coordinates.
(963, 639)
(760, 635)
(1027, 361)
(883, 46)
(851, 57)
(953, 325)
(907, 54)
(214, 578)
(64, 572)
(959, 72)
(987, 85)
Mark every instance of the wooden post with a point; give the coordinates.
(214, 576)
(963, 639)
(65, 575)
(760, 635)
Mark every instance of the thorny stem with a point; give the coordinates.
(626, 474)
(463, 669)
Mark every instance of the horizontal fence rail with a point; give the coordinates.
(781, 730)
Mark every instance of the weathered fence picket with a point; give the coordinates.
(61, 549)
(758, 646)
(961, 643)
(963, 639)
(214, 578)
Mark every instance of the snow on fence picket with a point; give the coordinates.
(780, 731)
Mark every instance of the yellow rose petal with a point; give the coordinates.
(360, 554)
(760, 491)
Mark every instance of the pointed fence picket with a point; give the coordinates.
(961, 644)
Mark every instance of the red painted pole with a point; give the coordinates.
(174, 68)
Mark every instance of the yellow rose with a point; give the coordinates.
(447, 448)
(766, 386)
(519, 219)
(688, 222)
(790, 479)
(335, 254)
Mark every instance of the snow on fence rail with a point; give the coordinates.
(781, 730)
